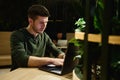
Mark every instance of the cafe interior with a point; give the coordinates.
(91, 26)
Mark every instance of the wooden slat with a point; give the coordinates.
(5, 43)
(94, 37)
(5, 52)
(113, 39)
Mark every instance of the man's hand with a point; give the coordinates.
(62, 55)
(58, 61)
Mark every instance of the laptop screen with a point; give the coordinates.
(70, 62)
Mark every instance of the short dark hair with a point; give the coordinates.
(38, 10)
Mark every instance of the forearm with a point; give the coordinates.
(34, 61)
(40, 61)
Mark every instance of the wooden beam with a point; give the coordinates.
(113, 39)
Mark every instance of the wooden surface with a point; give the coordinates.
(113, 39)
(5, 43)
(32, 74)
(5, 52)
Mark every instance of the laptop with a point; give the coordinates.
(68, 65)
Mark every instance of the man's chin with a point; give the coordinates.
(40, 32)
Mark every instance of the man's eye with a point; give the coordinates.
(41, 23)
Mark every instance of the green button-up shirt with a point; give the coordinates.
(24, 44)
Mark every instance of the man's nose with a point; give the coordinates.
(43, 24)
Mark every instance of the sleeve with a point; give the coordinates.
(18, 53)
(51, 46)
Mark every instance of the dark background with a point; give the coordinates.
(64, 13)
(13, 14)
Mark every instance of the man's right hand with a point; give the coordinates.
(58, 61)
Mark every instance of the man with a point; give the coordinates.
(29, 45)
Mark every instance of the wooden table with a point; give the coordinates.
(32, 74)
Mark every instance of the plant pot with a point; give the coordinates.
(77, 74)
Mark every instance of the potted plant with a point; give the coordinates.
(80, 23)
(78, 47)
(78, 50)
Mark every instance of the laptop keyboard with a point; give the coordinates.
(51, 68)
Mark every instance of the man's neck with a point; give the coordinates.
(30, 30)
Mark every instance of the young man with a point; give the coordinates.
(29, 45)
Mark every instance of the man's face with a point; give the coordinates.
(39, 24)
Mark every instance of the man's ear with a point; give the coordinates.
(30, 20)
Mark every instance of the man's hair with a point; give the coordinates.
(38, 10)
